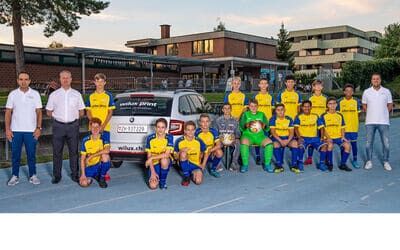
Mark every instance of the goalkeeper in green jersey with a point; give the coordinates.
(254, 127)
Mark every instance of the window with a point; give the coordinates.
(353, 50)
(251, 49)
(329, 52)
(172, 49)
(315, 52)
(202, 47)
(197, 107)
(184, 107)
(302, 53)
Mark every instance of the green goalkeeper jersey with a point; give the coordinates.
(248, 117)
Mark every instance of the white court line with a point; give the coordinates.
(378, 190)
(365, 197)
(301, 179)
(317, 174)
(391, 184)
(282, 185)
(217, 205)
(55, 188)
(108, 200)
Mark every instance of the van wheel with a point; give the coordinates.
(116, 164)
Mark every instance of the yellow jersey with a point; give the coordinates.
(157, 146)
(209, 138)
(99, 104)
(291, 100)
(265, 104)
(238, 101)
(282, 126)
(318, 104)
(350, 110)
(196, 148)
(308, 125)
(92, 146)
(333, 123)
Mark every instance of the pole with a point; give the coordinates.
(151, 77)
(83, 74)
(204, 79)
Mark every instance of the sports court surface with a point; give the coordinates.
(375, 190)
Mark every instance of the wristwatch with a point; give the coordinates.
(40, 128)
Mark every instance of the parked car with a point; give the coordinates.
(135, 115)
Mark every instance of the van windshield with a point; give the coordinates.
(143, 106)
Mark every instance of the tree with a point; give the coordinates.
(57, 16)
(282, 52)
(389, 46)
(56, 45)
(220, 26)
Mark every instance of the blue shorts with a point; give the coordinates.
(351, 136)
(106, 135)
(338, 141)
(282, 137)
(157, 169)
(93, 171)
(191, 167)
(315, 142)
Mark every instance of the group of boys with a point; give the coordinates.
(315, 124)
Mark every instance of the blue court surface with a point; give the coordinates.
(363, 191)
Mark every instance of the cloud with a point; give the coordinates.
(256, 21)
(105, 17)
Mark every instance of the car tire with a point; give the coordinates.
(116, 164)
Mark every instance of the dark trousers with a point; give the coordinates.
(65, 133)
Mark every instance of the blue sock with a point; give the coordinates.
(354, 149)
(294, 157)
(300, 155)
(344, 158)
(185, 168)
(105, 166)
(277, 155)
(322, 156)
(310, 151)
(329, 157)
(215, 162)
(163, 175)
(257, 149)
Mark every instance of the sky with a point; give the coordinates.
(127, 20)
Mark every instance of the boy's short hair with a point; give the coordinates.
(305, 102)
(263, 79)
(100, 76)
(279, 105)
(253, 101)
(95, 120)
(162, 120)
(315, 82)
(204, 116)
(348, 85)
(330, 99)
(189, 123)
(289, 77)
(24, 72)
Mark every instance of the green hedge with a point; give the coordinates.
(359, 73)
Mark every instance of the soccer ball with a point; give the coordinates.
(84, 182)
(227, 139)
(255, 126)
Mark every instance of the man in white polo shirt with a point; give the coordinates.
(65, 106)
(23, 124)
(377, 102)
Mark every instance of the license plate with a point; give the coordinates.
(132, 129)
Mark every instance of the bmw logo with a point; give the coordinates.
(131, 119)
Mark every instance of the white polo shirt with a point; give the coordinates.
(377, 101)
(65, 104)
(23, 105)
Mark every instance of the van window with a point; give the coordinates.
(143, 106)
(184, 107)
(197, 105)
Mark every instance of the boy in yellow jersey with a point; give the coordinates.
(210, 137)
(265, 105)
(159, 148)
(290, 98)
(237, 99)
(306, 126)
(191, 153)
(334, 128)
(318, 101)
(282, 134)
(101, 104)
(350, 108)
(95, 159)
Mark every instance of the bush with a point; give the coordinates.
(359, 73)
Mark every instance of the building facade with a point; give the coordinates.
(329, 47)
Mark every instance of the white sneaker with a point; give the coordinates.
(368, 165)
(14, 180)
(387, 166)
(34, 180)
